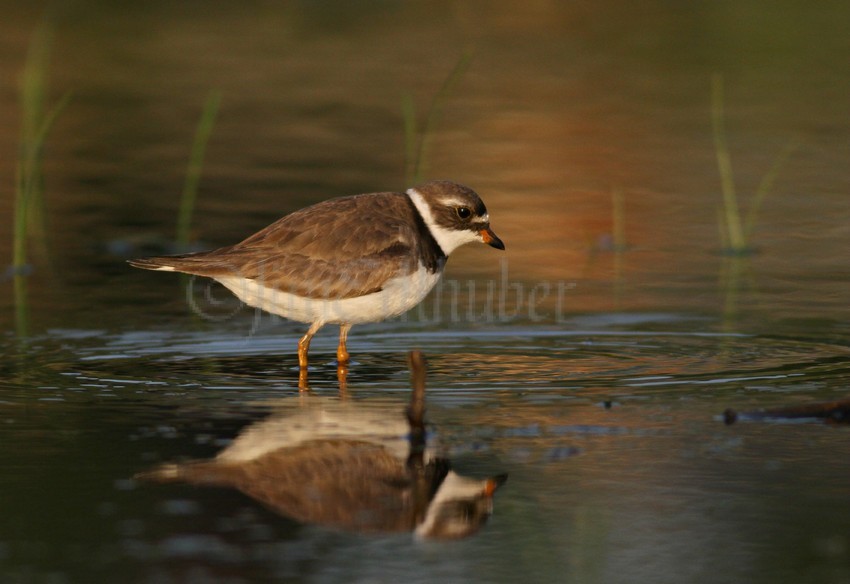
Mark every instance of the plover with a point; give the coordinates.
(348, 260)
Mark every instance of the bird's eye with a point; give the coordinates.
(464, 212)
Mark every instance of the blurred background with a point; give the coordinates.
(670, 180)
(560, 108)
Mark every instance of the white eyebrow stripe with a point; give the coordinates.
(458, 203)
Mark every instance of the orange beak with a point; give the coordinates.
(491, 239)
(493, 483)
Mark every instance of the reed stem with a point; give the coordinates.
(416, 148)
(765, 186)
(29, 223)
(731, 212)
(195, 166)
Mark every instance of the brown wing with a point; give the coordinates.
(344, 483)
(335, 249)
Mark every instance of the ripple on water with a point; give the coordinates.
(515, 359)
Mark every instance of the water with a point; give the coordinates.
(595, 378)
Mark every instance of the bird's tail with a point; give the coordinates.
(196, 473)
(203, 263)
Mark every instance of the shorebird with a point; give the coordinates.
(348, 260)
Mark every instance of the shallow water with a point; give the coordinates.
(596, 377)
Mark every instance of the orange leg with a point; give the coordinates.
(342, 378)
(303, 384)
(304, 344)
(342, 356)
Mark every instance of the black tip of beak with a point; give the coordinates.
(492, 239)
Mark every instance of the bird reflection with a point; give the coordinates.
(364, 467)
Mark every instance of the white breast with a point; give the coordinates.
(397, 296)
(383, 424)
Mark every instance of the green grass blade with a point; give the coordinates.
(731, 211)
(33, 88)
(196, 163)
(29, 191)
(32, 154)
(28, 176)
(765, 186)
(28, 215)
(434, 113)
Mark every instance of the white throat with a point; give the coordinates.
(449, 239)
(453, 486)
